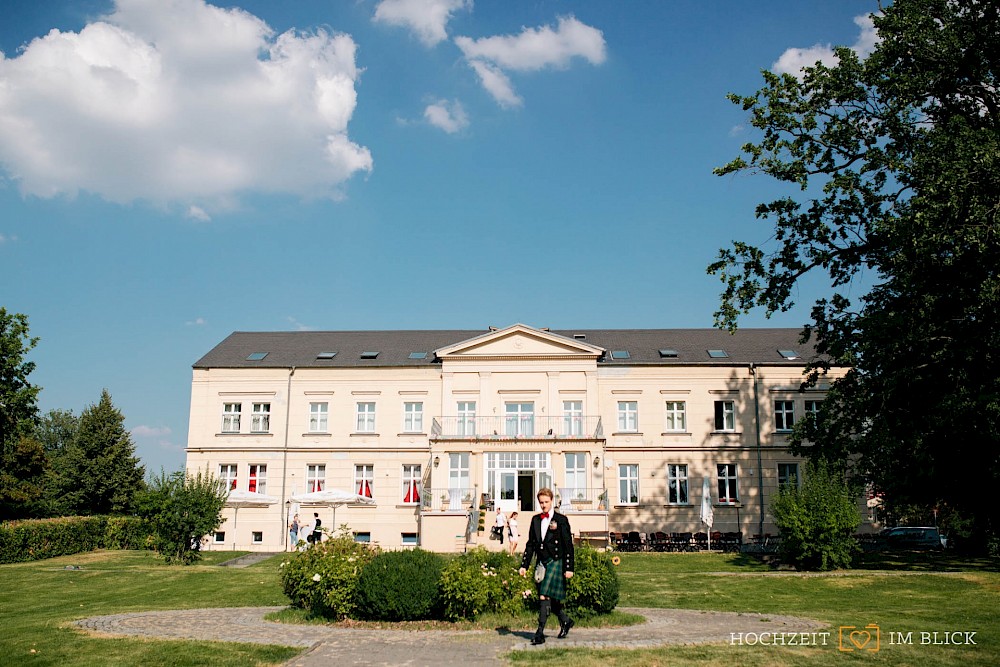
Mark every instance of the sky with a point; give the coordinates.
(172, 171)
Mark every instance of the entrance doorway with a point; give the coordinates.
(526, 490)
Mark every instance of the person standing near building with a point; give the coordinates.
(512, 534)
(550, 541)
(500, 525)
(293, 531)
(317, 534)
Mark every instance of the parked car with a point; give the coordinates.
(913, 537)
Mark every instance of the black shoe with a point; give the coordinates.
(564, 629)
(537, 639)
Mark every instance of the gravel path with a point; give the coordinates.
(353, 646)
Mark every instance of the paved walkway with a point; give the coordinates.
(352, 646)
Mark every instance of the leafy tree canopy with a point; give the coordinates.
(896, 159)
(182, 509)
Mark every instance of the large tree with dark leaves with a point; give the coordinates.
(897, 162)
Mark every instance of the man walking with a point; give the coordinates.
(550, 540)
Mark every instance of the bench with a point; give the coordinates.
(595, 538)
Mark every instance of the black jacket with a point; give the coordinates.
(558, 542)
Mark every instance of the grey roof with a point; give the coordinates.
(300, 348)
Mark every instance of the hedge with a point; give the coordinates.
(37, 539)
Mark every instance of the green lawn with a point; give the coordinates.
(898, 593)
(38, 599)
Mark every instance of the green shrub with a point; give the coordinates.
(181, 508)
(323, 579)
(400, 586)
(37, 539)
(817, 520)
(128, 532)
(482, 581)
(593, 589)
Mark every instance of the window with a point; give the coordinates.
(725, 416)
(667, 353)
(369, 355)
(676, 420)
(413, 417)
(363, 537)
(227, 473)
(788, 474)
(628, 483)
(418, 355)
(466, 418)
(220, 537)
(520, 419)
(258, 479)
(573, 418)
(726, 473)
(411, 484)
(258, 537)
(620, 354)
(366, 418)
(576, 475)
(260, 419)
(718, 354)
(318, 417)
(315, 477)
(326, 355)
(231, 417)
(256, 356)
(812, 407)
(628, 416)
(784, 415)
(408, 539)
(789, 354)
(677, 484)
(364, 477)
(458, 470)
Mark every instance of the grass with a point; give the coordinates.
(894, 591)
(37, 600)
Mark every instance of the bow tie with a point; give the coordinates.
(545, 515)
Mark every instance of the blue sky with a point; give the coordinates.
(172, 171)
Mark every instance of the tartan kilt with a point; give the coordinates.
(554, 583)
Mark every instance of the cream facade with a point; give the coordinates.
(625, 425)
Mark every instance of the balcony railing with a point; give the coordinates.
(448, 499)
(517, 427)
(570, 499)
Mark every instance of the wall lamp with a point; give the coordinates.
(437, 461)
(597, 461)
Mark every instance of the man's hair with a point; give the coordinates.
(545, 491)
(315, 513)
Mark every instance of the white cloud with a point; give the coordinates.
(539, 48)
(426, 18)
(197, 322)
(198, 213)
(448, 116)
(532, 50)
(7, 239)
(298, 325)
(143, 431)
(794, 59)
(180, 101)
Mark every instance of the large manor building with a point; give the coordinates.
(625, 425)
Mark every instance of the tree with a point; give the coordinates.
(818, 519)
(182, 509)
(99, 472)
(56, 432)
(22, 461)
(897, 160)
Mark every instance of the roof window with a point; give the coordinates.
(667, 352)
(418, 355)
(326, 355)
(620, 354)
(789, 354)
(256, 356)
(580, 336)
(369, 355)
(718, 354)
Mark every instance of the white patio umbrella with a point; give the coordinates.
(237, 499)
(332, 498)
(707, 513)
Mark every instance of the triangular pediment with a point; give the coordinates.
(520, 341)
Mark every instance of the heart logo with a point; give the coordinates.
(860, 638)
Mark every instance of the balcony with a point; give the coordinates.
(517, 427)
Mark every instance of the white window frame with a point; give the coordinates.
(676, 416)
(229, 475)
(725, 416)
(315, 477)
(231, 417)
(519, 419)
(257, 537)
(573, 418)
(413, 417)
(576, 475)
(411, 477)
(812, 406)
(628, 480)
(365, 411)
(783, 478)
(628, 416)
(466, 418)
(784, 415)
(260, 418)
(727, 483)
(319, 417)
(258, 475)
(364, 473)
(678, 488)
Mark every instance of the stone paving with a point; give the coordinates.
(354, 646)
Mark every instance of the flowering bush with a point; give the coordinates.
(481, 581)
(323, 579)
(400, 586)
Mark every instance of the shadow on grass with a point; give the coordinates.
(925, 561)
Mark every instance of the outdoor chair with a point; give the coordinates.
(701, 541)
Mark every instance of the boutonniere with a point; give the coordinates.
(552, 523)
